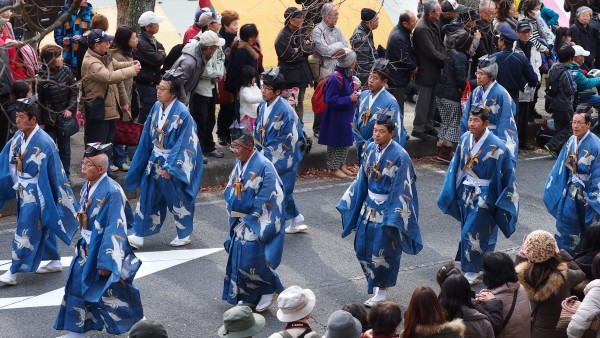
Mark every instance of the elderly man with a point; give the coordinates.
(585, 84)
(487, 44)
(31, 171)
(293, 48)
(431, 56)
(402, 58)
(256, 209)
(449, 13)
(363, 45)
(151, 55)
(167, 167)
(328, 38)
(99, 293)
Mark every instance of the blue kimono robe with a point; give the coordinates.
(382, 207)
(278, 138)
(480, 192)
(573, 182)
(255, 201)
(365, 118)
(45, 203)
(93, 302)
(502, 110)
(173, 146)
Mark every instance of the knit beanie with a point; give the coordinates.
(367, 14)
(346, 60)
(540, 246)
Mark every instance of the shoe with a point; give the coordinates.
(444, 154)
(266, 301)
(347, 171)
(53, 266)
(112, 175)
(114, 168)
(294, 229)
(136, 242)
(124, 167)
(222, 141)
(204, 160)
(215, 153)
(250, 305)
(536, 115)
(8, 278)
(526, 147)
(436, 124)
(551, 151)
(431, 131)
(370, 302)
(180, 241)
(339, 174)
(422, 135)
(473, 277)
(316, 134)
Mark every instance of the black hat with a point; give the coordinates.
(293, 12)
(148, 329)
(382, 67)
(447, 7)
(273, 78)
(97, 36)
(96, 148)
(523, 26)
(467, 15)
(367, 14)
(463, 42)
(27, 105)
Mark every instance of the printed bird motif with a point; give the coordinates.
(14, 256)
(22, 241)
(390, 170)
(236, 290)
(293, 136)
(181, 211)
(37, 157)
(99, 228)
(28, 197)
(550, 182)
(576, 240)
(481, 202)
(186, 165)
(254, 182)
(138, 211)
(62, 226)
(84, 316)
(97, 208)
(116, 252)
(264, 219)
(408, 182)
(193, 140)
(278, 194)
(252, 276)
(474, 243)
(290, 162)
(468, 255)
(278, 123)
(587, 159)
(154, 220)
(495, 153)
(175, 124)
(514, 196)
(404, 212)
(178, 224)
(510, 143)
(366, 269)
(379, 261)
(277, 154)
(113, 301)
(66, 200)
(114, 317)
(347, 197)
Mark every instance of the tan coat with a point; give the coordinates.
(519, 324)
(119, 56)
(98, 72)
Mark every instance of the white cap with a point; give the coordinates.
(148, 18)
(210, 38)
(579, 51)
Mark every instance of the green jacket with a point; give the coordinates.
(583, 82)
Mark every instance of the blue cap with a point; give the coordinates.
(507, 34)
(198, 13)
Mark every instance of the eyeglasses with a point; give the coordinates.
(161, 89)
(87, 164)
(579, 123)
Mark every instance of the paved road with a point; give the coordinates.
(187, 296)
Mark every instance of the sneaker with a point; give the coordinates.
(8, 278)
(135, 242)
(422, 135)
(551, 151)
(215, 153)
(124, 167)
(371, 302)
(266, 301)
(114, 168)
(180, 241)
(53, 266)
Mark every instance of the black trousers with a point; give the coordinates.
(224, 120)
(525, 109)
(102, 131)
(202, 109)
(562, 124)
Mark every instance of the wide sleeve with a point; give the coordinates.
(593, 193)
(557, 181)
(137, 170)
(447, 199)
(7, 193)
(503, 187)
(351, 203)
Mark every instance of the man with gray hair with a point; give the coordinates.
(431, 56)
(327, 38)
(487, 42)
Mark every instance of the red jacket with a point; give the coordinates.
(191, 32)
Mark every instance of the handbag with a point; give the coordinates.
(95, 109)
(569, 307)
(223, 96)
(128, 133)
(67, 126)
(465, 96)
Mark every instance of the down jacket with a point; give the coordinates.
(519, 323)
(454, 76)
(56, 93)
(546, 300)
(477, 324)
(192, 64)
(587, 311)
(99, 72)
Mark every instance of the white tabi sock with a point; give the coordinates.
(70, 334)
(9, 275)
(381, 295)
(54, 264)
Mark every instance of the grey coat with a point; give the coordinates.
(327, 41)
(192, 64)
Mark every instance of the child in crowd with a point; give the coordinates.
(250, 97)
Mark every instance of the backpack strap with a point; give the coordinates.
(338, 74)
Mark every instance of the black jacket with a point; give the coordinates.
(400, 53)
(430, 52)
(243, 55)
(363, 45)
(151, 57)
(293, 64)
(56, 92)
(487, 43)
(585, 37)
(514, 71)
(454, 76)
(561, 74)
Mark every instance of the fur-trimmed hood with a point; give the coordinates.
(253, 53)
(455, 326)
(552, 286)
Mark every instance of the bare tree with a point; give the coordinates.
(129, 11)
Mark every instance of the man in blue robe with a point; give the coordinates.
(374, 103)
(382, 207)
(278, 136)
(46, 208)
(492, 97)
(572, 190)
(255, 204)
(480, 192)
(167, 165)
(99, 293)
